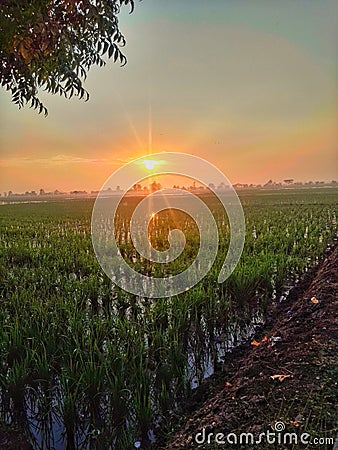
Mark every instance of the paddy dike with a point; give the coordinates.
(288, 373)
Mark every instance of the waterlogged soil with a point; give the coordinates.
(285, 378)
(13, 438)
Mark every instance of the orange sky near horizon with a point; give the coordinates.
(247, 86)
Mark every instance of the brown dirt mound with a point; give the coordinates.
(244, 397)
(287, 374)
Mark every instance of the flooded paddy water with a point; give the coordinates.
(85, 365)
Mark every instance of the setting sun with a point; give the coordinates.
(149, 164)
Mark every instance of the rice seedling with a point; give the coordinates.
(87, 365)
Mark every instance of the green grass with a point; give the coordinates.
(109, 363)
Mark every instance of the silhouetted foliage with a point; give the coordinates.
(51, 44)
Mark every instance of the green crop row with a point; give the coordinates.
(84, 361)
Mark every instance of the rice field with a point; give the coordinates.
(86, 365)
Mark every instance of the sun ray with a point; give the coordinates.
(150, 130)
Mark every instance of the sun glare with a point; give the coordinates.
(149, 164)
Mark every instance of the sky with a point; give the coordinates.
(250, 86)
